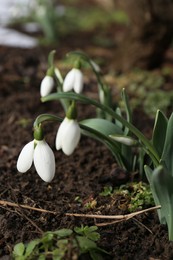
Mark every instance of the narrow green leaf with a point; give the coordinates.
(167, 156)
(127, 109)
(102, 125)
(159, 132)
(118, 123)
(127, 105)
(149, 175)
(162, 184)
(51, 58)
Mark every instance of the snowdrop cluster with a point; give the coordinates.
(67, 137)
(72, 81)
(39, 152)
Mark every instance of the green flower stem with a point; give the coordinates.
(45, 117)
(51, 58)
(144, 141)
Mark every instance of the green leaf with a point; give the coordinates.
(57, 254)
(149, 174)
(64, 232)
(162, 184)
(19, 249)
(48, 236)
(94, 236)
(85, 244)
(79, 230)
(167, 156)
(31, 246)
(88, 232)
(107, 191)
(127, 106)
(102, 125)
(102, 136)
(91, 229)
(159, 132)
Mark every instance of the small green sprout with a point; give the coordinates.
(138, 195)
(90, 204)
(107, 191)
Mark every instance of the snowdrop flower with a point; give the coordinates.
(68, 136)
(47, 85)
(73, 80)
(43, 157)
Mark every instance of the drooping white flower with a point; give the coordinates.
(68, 136)
(47, 85)
(25, 158)
(73, 80)
(43, 157)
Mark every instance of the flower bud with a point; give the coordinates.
(124, 139)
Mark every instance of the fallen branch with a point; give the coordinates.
(117, 218)
(11, 204)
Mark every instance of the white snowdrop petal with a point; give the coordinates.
(44, 161)
(69, 81)
(25, 158)
(59, 135)
(71, 137)
(47, 85)
(78, 85)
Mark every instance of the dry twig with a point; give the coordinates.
(117, 218)
(12, 204)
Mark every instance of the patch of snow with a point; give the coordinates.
(9, 37)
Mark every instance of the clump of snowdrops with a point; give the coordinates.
(112, 127)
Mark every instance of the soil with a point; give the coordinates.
(83, 174)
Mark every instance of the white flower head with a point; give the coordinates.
(73, 80)
(47, 85)
(68, 136)
(43, 157)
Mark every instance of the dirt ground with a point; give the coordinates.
(83, 174)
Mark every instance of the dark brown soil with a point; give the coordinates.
(82, 174)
